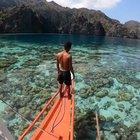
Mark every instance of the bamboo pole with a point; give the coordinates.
(97, 127)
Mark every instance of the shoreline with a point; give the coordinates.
(111, 37)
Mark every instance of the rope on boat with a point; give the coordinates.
(12, 108)
(19, 114)
(97, 126)
(55, 125)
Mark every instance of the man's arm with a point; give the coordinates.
(71, 67)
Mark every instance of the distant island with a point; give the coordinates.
(40, 16)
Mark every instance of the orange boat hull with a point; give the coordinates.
(58, 123)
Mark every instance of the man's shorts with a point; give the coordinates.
(64, 77)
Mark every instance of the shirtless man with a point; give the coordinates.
(64, 67)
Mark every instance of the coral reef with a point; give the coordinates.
(106, 82)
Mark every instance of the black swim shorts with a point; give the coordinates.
(64, 77)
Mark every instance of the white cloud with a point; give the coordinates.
(91, 4)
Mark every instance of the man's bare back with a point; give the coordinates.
(64, 60)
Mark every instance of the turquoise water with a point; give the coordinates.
(107, 81)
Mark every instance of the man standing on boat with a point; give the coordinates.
(65, 68)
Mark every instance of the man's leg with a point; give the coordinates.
(69, 91)
(67, 81)
(61, 90)
(61, 85)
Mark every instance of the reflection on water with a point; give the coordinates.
(107, 81)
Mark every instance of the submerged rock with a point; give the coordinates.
(123, 96)
(2, 75)
(109, 136)
(31, 63)
(26, 112)
(107, 105)
(102, 82)
(121, 106)
(102, 93)
(84, 93)
(85, 127)
(116, 117)
(125, 133)
(112, 95)
(7, 62)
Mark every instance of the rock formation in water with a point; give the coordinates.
(133, 28)
(40, 16)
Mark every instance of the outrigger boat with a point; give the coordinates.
(58, 124)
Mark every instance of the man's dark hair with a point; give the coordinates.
(67, 46)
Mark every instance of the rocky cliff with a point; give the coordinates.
(39, 16)
(133, 28)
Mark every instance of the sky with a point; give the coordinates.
(122, 10)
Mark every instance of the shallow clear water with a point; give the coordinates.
(107, 80)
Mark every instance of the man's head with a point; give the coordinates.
(67, 46)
